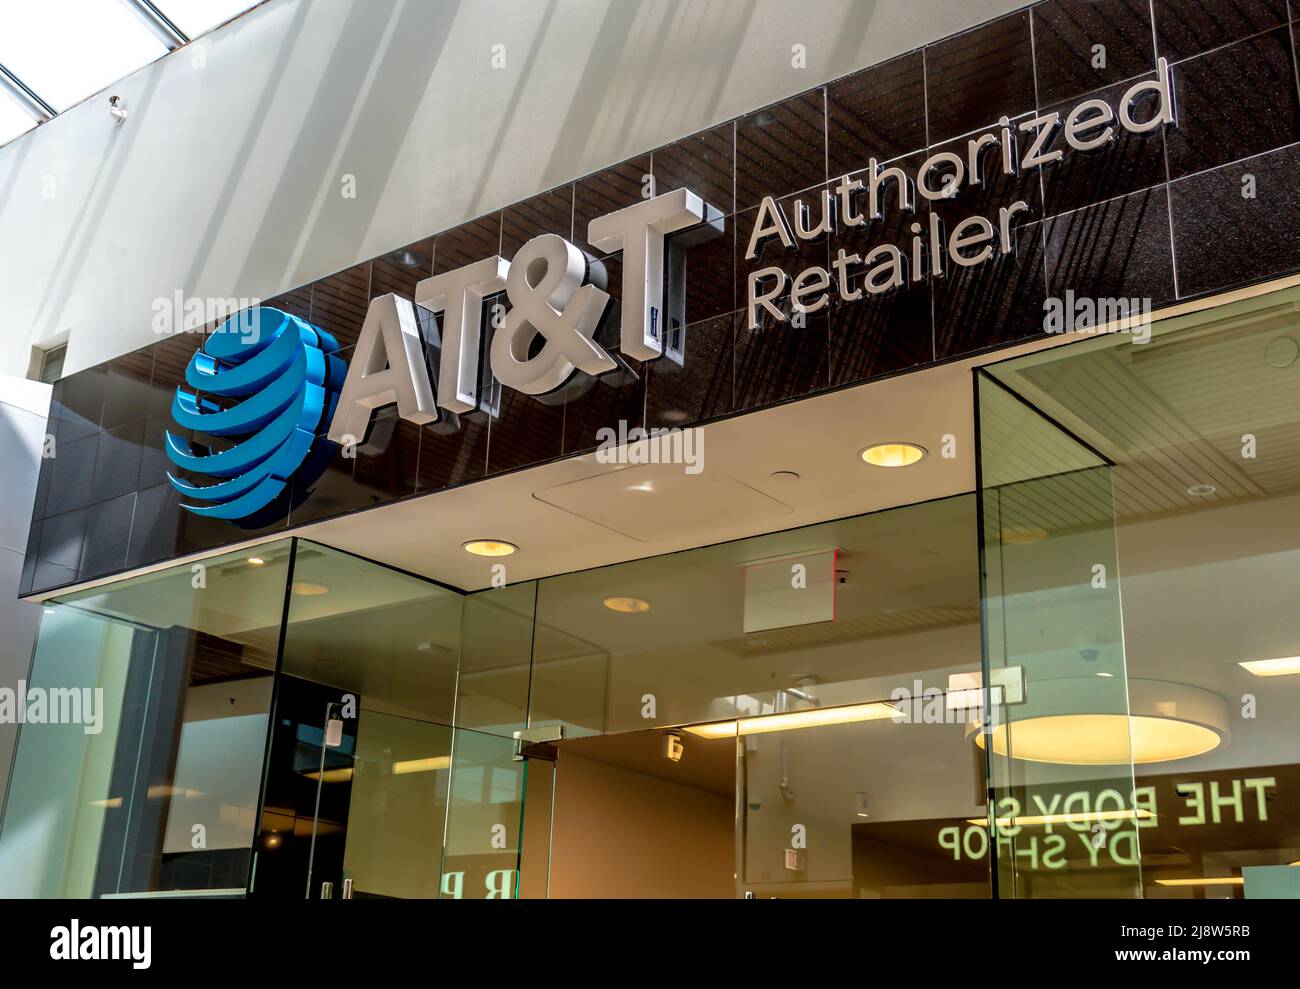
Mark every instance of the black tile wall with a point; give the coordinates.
(1082, 45)
(1206, 206)
(1188, 27)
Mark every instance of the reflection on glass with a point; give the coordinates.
(1202, 427)
(158, 791)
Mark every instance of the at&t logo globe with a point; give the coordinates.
(268, 381)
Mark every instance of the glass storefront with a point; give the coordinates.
(1079, 680)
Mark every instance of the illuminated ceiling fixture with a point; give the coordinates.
(490, 547)
(1023, 535)
(421, 765)
(1079, 817)
(1217, 881)
(308, 589)
(1286, 666)
(332, 775)
(627, 606)
(1073, 721)
(893, 454)
(1201, 490)
(256, 561)
(814, 718)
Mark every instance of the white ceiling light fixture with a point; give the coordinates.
(627, 605)
(791, 720)
(1078, 721)
(490, 547)
(892, 454)
(1281, 667)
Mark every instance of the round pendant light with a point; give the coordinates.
(1079, 721)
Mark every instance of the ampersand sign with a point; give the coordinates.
(548, 298)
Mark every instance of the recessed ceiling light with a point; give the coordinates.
(643, 486)
(892, 454)
(1286, 666)
(1202, 490)
(308, 589)
(627, 605)
(490, 547)
(256, 561)
(1282, 352)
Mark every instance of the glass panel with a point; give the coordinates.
(495, 661)
(356, 786)
(1064, 821)
(485, 818)
(1200, 418)
(147, 777)
(65, 50)
(664, 641)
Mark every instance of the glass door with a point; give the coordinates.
(359, 774)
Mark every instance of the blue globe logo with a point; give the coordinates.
(268, 381)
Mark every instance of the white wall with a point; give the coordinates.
(225, 178)
(24, 406)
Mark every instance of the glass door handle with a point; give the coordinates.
(347, 889)
(327, 890)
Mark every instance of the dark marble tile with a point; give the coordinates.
(1119, 249)
(128, 394)
(400, 271)
(604, 401)
(107, 535)
(703, 163)
(28, 576)
(881, 334)
(605, 192)
(700, 386)
(154, 463)
(1067, 34)
(63, 538)
(1233, 103)
(976, 77)
(331, 493)
(117, 462)
(339, 303)
(708, 271)
(77, 403)
(993, 303)
(548, 213)
(780, 360)
(296, 302)
(1224, 238)
(781, 149)
(170, 358)
(452, 450)
(876, 113)
(1129, 163)
(72, 475)
(155, 526)
(1188, 27)
(529, 430)
(49, 576)
(893, 226)
(467, 243)
(387, 463)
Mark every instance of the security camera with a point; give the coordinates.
(117, 109)
(1089, 654)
